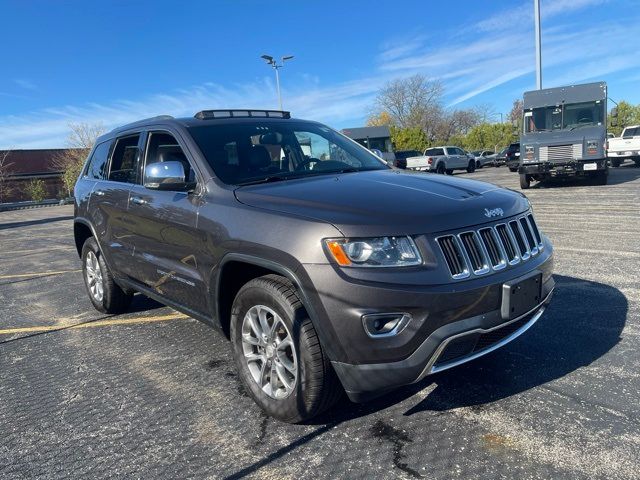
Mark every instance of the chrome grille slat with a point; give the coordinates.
(494, 247)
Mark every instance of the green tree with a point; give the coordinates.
(490, 136)
(36, 190)
(409, 138)
(628, 114)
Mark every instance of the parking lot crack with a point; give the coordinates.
(398, 439)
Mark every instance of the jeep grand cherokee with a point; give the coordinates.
(326, 269)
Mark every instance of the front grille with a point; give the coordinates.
(560, 152)
(478, 252)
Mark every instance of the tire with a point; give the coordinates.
(103, 291)
(313, 386)
(449, 171)
(637, 161)
(471, 167)
(478, 165)
(441, 168)
(525, 181)
(616, 163)
(512, 169)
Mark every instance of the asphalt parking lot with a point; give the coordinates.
(153, 394)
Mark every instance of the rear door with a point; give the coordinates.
(109, 199)
(168, 247)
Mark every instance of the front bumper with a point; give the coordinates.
(447, 347)
(562, 168)
(440, 314)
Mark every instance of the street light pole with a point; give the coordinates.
(536, 16)
(271, 61)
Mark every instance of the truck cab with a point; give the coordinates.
(564, 133)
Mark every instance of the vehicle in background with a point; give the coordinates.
(484, 157)
(447, 159)
(378, 154)
(402, 155)
(501, 157)
(512, 156)
(378, 138)
(564, 133)
(627, 145)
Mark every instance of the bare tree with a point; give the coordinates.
(515, 115)
(5, 167)
(412, 102)
(79, 142)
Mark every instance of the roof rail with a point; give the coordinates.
(212, 114)
(142, 122)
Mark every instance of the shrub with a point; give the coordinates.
(35, 190)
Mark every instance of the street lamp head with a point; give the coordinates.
(268, 58)
(287, 57)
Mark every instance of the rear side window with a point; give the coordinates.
(125, 161)
(434, 152)
(97, 167)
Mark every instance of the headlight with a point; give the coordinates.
(374, 252)
(592, 147)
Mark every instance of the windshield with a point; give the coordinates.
(255, 152)
(564, 116)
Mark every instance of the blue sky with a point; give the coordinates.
(114, 61)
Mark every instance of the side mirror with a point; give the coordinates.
(614, 112)
(166, 176)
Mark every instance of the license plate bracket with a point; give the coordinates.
(590, 166)
(521, 295)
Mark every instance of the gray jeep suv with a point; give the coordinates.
(326, 269)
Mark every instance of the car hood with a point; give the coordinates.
(387, 202)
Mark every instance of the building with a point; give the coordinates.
(373, 137)
(22, 166)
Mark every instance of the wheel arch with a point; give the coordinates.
(82, 230)
(237, 269)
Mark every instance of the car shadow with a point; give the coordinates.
(571, 334)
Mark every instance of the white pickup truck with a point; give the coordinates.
(626, 145)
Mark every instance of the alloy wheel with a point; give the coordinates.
(94, 277)
(269, 352)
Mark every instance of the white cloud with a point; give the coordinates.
(24, 83)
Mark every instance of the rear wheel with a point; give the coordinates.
(278, 353)
(104, 293)
(471, 167)
(637, 161)
(525, 181)
(616, 162)
(449, 171)
(440, 168)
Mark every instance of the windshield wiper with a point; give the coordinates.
(269, 179)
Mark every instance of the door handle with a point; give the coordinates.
(139, 201)
(99, 193)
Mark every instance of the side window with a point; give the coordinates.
(163, 147)
(97, 166)
(438, 151)
(125, 161)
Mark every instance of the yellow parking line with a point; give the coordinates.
(97, 323)
(38, 274)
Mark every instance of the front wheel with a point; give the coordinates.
(525, 181)
(104, 292)
(277, 352)
(471, 167)
(440, 168)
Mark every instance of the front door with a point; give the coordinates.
(167, 243)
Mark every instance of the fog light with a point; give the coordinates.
(380, 325)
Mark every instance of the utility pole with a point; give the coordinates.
(271, 61)
(536, 16)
